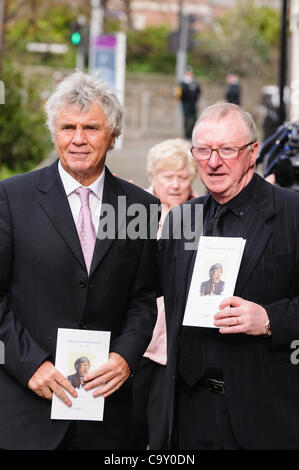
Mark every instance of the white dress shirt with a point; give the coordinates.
(70, 184)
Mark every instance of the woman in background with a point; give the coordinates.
(171, 170)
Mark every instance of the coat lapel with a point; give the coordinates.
(185, 260)
(54, 203)
(256, 231)
(113, 204)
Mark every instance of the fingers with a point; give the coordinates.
(48, 380)
(228, 320)
(233, 301)
(109, 377)
(237, 315)
(107, 388)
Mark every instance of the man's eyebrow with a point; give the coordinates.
(66, 123)
(74, 124)
(91, 123)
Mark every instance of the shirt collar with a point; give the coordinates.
(70, 184)
(240, 203)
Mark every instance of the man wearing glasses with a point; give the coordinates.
(235, 386)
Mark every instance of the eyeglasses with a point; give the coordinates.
(226, 153)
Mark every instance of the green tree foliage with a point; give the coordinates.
(147, 50)
(44, 22)
(24, 139)
(245, 39)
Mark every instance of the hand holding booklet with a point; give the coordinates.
(78, 352)
(214, 278)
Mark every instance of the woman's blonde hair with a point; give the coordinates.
(171, 154)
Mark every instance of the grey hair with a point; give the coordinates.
(83, 89)
(220, 110)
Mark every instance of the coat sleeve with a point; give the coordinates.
(142, 306)
(283, 313)
(22, 354)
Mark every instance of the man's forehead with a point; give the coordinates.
(73, 110)
(231, 125)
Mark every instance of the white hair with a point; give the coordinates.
(219, 110)
(83, 90)
(171, 154)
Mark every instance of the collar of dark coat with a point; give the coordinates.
(261, 201)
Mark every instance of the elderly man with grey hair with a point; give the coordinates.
(58, 270)
(235, 386)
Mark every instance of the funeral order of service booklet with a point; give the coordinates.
(213, 279)
(77, 352)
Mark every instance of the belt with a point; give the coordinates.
(216, 386)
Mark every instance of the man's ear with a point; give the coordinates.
(254, 153)
(112, 142)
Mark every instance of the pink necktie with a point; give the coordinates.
(85, 227)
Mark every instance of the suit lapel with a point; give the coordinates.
(186, 260)
(54, 203)
(111, 194)
(256, 231)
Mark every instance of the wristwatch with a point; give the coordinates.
(267, 328)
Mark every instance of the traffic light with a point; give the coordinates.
(184, 37)
(76, 33)
(191, 32)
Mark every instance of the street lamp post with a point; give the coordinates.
(2, 17)
(294, 65)
(283, 61)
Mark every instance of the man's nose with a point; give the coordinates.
(79, 136)
(215, 160)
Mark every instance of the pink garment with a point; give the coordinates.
(85, 227)
(157, 349)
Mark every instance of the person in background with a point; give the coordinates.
(171, 170)
(233, 88)
(189, 93)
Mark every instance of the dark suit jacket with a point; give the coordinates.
(262, 385)
(44, 285)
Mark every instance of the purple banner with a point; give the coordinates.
(105, 40)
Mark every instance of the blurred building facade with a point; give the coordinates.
(145, 13)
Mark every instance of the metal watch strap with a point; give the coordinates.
(267, 328)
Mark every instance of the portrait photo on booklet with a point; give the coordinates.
(77, 353)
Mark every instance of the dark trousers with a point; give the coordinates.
(189, 112)
(202, 419)
(71, 440)
(150, 422)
